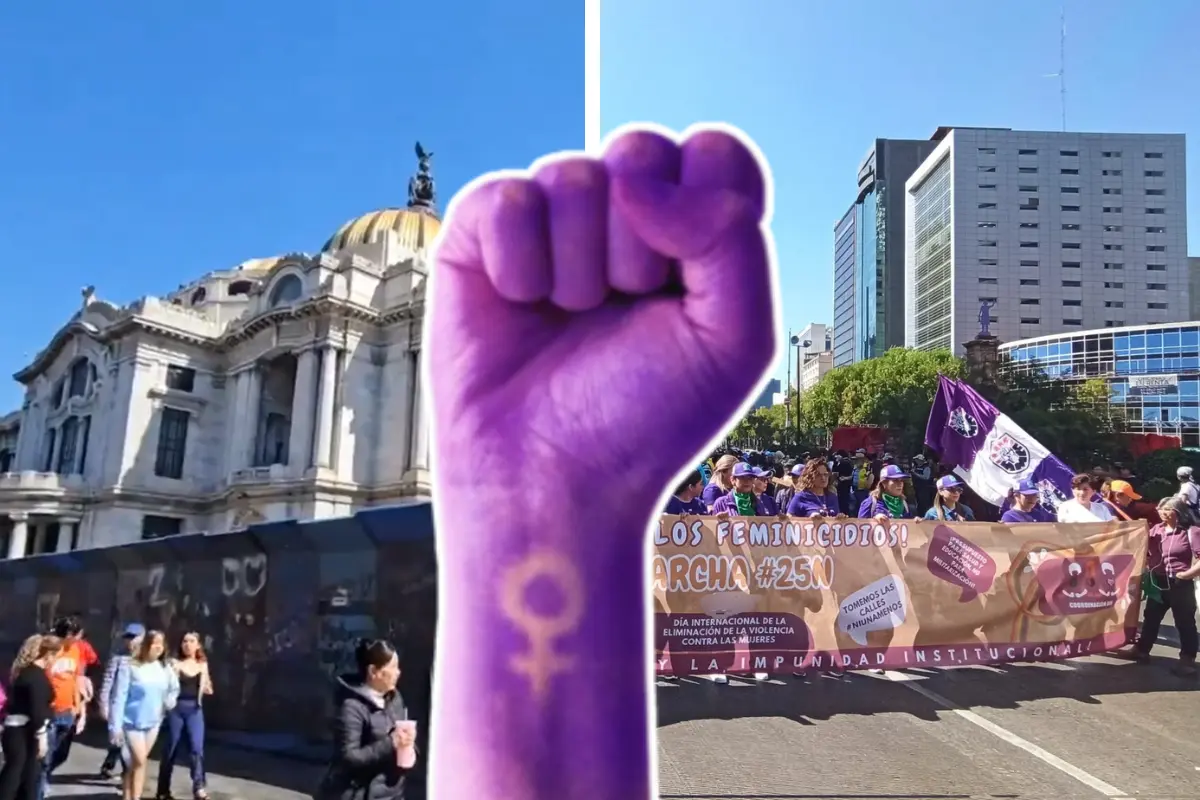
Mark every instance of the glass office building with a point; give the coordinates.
(1153, 370)
(868, 276)
(844, 265)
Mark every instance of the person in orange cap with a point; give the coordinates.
(1126, 503)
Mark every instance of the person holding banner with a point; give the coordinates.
(783, 498)
(1172, 566)
(741, 500)
(886, 500)
(1024, 499)
(814, 497)
(720, 483)
(762, 488)
(686, 499)
(1082, 507)
(946, 503)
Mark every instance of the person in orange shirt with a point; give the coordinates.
(67, 703)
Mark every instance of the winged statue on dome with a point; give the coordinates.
(421, 190)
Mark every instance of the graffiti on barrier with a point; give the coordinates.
(278, 607)
(246, 575)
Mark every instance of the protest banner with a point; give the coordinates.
(759, 594)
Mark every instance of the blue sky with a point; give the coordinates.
(144, 144)
(814, 81)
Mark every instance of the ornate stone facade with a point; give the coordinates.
(284, 388)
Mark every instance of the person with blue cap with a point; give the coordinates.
(131, 640)
(1024, 499)
(946, 503)
(886, 501)
(741, 501)
(762, 488)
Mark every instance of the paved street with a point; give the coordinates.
(1090, 728)
(1095, 727)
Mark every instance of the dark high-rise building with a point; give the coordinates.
(844, 260)
(869, 254)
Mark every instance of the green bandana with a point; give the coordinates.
(745, 504)
(895, 505)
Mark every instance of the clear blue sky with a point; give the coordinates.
(144, 144)
(815, 81)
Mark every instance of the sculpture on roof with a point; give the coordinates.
(421, 190)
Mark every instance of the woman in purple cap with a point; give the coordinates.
(886, 500)
(741, 501)
(762, 488)
(1023, 499)
(814, 497)
(946, 503)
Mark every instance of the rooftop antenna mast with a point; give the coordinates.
(1062, 63)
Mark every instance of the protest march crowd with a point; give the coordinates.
(881, 487)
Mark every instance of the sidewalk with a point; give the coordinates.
(232, 775)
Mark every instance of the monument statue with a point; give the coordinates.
(421, 190)
(985, 317)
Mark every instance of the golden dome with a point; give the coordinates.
(416, 227)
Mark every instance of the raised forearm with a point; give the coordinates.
(540, 633)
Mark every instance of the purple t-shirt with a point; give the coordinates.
(710, 494)
(1017, 515)
(1171, 552)
(768, 503)
(805, 504)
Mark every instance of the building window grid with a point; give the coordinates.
(1115, 356)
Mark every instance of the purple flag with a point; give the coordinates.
(991, 452)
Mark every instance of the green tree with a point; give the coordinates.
(895, 390)
(1072, 420)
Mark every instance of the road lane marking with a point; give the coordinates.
(1005, 735)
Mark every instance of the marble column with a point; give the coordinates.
(303, 393)
(39, 538)
(418, 457)
(325, 408)
(253, 402)
(66, 535)
(19, 539)
(236, 390)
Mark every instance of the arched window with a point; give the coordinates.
(79, 378)
(199, 295)
(286, 290)
(238, 288)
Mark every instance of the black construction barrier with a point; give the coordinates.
(278, 608)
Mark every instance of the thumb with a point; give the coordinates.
(717, 238)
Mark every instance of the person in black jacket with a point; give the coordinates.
(374, 741)
(27, 714)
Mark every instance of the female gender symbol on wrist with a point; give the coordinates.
(540, 662)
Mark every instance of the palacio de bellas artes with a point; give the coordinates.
(258, 393)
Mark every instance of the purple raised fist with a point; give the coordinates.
(592, 325)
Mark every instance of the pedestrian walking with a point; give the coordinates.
(28, 712)
(1172, 566)
(145, 690)
(65, 674)
(374, 741)
(185, 721)
(131, 640)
